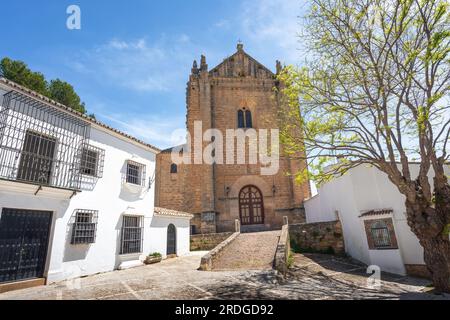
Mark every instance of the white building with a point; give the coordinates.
(373, 216)
(76, 196)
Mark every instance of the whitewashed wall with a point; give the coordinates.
(107, 195)
(361, 189)
(158, 234)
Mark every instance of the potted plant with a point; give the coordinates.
(154, 257)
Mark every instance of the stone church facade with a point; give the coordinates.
(238, 93)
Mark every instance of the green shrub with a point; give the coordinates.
(155, 255)
(290, 260)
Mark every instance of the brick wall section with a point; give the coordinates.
(317, 237)
(417, 270)
(208, 242)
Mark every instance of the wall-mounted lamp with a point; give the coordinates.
(274, 189)
(227, 190)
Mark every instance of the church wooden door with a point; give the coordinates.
(251, 206)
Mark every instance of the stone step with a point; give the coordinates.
(254, 228)
(249, 251)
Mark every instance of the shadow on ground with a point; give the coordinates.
(319, 276)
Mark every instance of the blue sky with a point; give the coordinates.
(131, 60)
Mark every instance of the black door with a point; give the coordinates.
(171, 239)
(24, 236)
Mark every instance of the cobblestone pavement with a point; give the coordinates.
(249, 251)
(312, 277)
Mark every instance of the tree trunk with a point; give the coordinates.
(431, 228)
(436, 256)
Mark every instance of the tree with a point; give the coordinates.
(64, 93)
(58, 90)
(375, 91)
(19, 72)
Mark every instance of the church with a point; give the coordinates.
(237, 94)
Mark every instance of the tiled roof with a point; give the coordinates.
(376, 212)
(74, 112)
(172, 213)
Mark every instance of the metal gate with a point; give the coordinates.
(171, 239)
(24, 236)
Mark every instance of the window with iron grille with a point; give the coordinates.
(132, 234)
(37, 160)
(380, 235)
(92, 161)
(173, 168)
(135, 173)
(84, 227)
(40, 144)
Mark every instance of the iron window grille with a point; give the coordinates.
(132, 234)
(135, 173)
(380, 235)
(92, 161)
(84, 227)
(39, 143)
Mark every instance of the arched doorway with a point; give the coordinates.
(171, 240)
(251, 206)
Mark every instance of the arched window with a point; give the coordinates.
(245, 119)
(173, 168)
(241, 122)
(248, 119)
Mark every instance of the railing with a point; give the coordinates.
(40, 144)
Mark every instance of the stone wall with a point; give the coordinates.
(206, 242)
(325, 237)
(417, 270)
(208, 260)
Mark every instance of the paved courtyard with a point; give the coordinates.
(312, 277)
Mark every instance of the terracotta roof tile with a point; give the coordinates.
(172, 213)
(376, 212)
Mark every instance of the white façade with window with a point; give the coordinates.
(373, 217)
(86, 188)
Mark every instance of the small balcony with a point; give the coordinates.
(40, 144)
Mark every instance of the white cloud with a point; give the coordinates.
(223, 24)
(139, 64)
(272, 26)
(148, 127)
(184, 38)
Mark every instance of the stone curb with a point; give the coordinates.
(208, 259)
(282, 252)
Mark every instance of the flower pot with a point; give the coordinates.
(151, 260)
